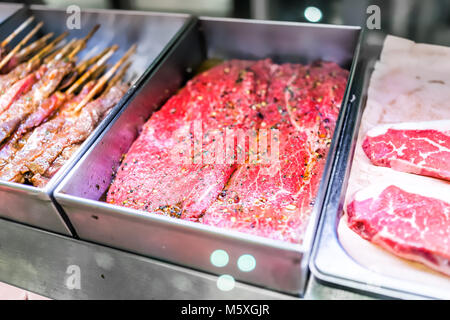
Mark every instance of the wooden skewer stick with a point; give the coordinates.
(95, 74)
(86, 63)
(117, 77)
(97, 65)
(21, 43)
(102, 81)
(81, 44)
(99, 71)
(49, 47)
(16, 32)
(63, 49)
(91, 33)
(61, 52)
(79, 69)
(38, 44)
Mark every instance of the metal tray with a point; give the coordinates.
(330, 263)
(280, 266)
(8, 9)
(153, 32)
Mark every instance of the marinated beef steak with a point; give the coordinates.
(153, 178)
(412, 225)
(274, 199)
(417, 147)
(64, 130)
(280, 119)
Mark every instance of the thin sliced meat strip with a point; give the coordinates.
(271, 199)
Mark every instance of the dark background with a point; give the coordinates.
(419, 20)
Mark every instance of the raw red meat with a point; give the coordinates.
(275, 199)
(31, 156)
(153, 179)
(15, 91)
(420, 148)
(250, 193)
(410, 225)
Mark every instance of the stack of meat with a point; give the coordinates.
(265, 185)
(49, 105)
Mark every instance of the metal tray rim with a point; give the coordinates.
(388, 286)
(114, 11)
(283, 23)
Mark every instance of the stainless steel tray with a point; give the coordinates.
(280, 266)
(330, 263)
(153, 32)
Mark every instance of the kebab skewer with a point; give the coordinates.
(73, 134)
(10, 85)
(19, 29)
(41, 123)
(16, 49)
(25, 53)
(22, 70)
(48, 77)
(49, 106)
(84, 65)
(25, 68)
(105, 78)
(77, 125)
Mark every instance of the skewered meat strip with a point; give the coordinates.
(21, 71)
(4, 61)
(45, 110)
(7, 40)
(34, 116)
(49, 140)
(76, 128)
(40, 181)
(26, 68)
(14, 142)
(14, 92)
(25, 53)
(23, 144)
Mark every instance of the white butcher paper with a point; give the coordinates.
(410, 83)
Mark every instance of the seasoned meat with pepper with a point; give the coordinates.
(264, 185)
